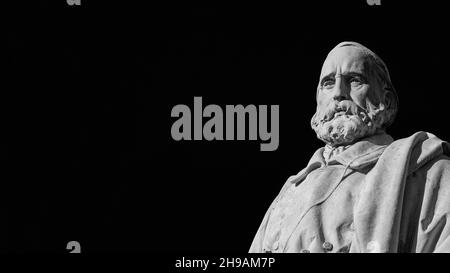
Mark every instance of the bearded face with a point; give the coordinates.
(345, 122)
(350, 99)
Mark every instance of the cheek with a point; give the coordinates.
(364, 94)
(322, 102)
(323, 99)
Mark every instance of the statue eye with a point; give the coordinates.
(355, 81)
(327, 83)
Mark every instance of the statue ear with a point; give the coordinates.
(390, 100)
(391, 104)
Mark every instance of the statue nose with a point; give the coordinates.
(340, 91)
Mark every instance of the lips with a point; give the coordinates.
(340, 113)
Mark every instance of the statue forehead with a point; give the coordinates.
(345, 59)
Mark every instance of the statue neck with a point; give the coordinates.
(329, 152)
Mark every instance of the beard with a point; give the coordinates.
(345, 122)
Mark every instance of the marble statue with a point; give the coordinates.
(363, 192)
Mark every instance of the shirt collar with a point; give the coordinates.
(329, 152)
(363, 152)
(356, 156)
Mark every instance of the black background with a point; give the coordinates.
(87, 153)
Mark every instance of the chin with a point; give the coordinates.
(343, 130)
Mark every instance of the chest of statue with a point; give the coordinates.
(315, 215)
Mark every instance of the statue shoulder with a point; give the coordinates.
(420, 148)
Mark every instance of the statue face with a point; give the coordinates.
(347, 75)
(349, 98)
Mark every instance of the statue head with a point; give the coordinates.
(355, 96)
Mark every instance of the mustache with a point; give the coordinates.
(341, 108)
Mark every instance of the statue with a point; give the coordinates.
(362, 191)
